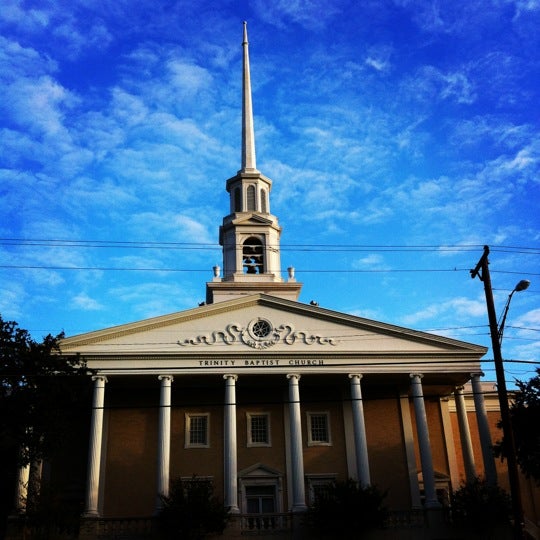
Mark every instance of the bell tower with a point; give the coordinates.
(250, 234)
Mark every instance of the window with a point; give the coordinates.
(237, 200)
(318, 429)
(197, 431)
(258, 429)
(251, 198)
(319, 486)
(260, 499)
(261, 505)
(264, 206)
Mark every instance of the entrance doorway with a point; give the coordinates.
(261, 500)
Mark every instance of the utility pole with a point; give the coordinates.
(482, 271)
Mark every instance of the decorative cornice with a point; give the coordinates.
(258, 334)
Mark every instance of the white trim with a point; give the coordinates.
(188, 417)
(250, 443)
(310, 441)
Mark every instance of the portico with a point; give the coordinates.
(344, 393)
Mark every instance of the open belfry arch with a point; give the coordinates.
(272, 398)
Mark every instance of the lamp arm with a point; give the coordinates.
(503, 320)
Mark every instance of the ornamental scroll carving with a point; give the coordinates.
(258, 334)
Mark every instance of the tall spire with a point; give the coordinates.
(248, 135)
(250, 233)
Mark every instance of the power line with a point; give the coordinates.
(299, 270)
(295, 247)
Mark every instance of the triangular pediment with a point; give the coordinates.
(259, 470)
(262, 331)
(252, 219)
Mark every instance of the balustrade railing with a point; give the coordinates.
(265, 522)
(125, 528)
(404, 519)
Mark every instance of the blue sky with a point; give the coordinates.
(401, 137)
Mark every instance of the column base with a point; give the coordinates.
(90, 515)
(433, 505)
(89, 528)
(435, 518)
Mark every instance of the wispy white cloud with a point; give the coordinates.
(86, 303)
(13, 299)
(372, 261)
(379, 58)
(153, 298)
(311, 14)
(39, 105)
(27, 20)
(461, 309)
(431, 83)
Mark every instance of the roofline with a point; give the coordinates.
(265, 300)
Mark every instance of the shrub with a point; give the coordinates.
(191, 511)
(481, 507)
(346, 510)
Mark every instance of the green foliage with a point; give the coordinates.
(481, 507)
(191, 511)
(345, 510)
(38, 388)
(50, 514)
(525, 418)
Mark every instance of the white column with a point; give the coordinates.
(164, 439)
(426, 458)
(297, 456)
(96, 438)
(465, 435)
(360, 440)
(483, 428)
(229, 451)
(21, 494)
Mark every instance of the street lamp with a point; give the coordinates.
(496, 332)
(521, 286)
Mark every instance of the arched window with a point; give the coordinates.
(253, 256)
(251, 198)
(264, 206)
(237, 200)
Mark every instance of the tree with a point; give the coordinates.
(191, 511)
(38, 389)
(525, 419)
(481, 508)
(346, 510)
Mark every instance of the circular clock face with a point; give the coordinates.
(260, 328)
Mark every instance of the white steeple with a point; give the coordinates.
(248, 136)
(250, 234)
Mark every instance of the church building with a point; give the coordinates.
(271, 398)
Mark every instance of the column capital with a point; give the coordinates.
(416, 375)
(355, 375)
(296, 376)
(477, 374)
(459, 390)
(232, 376)
(100, 378)
(169, 378)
